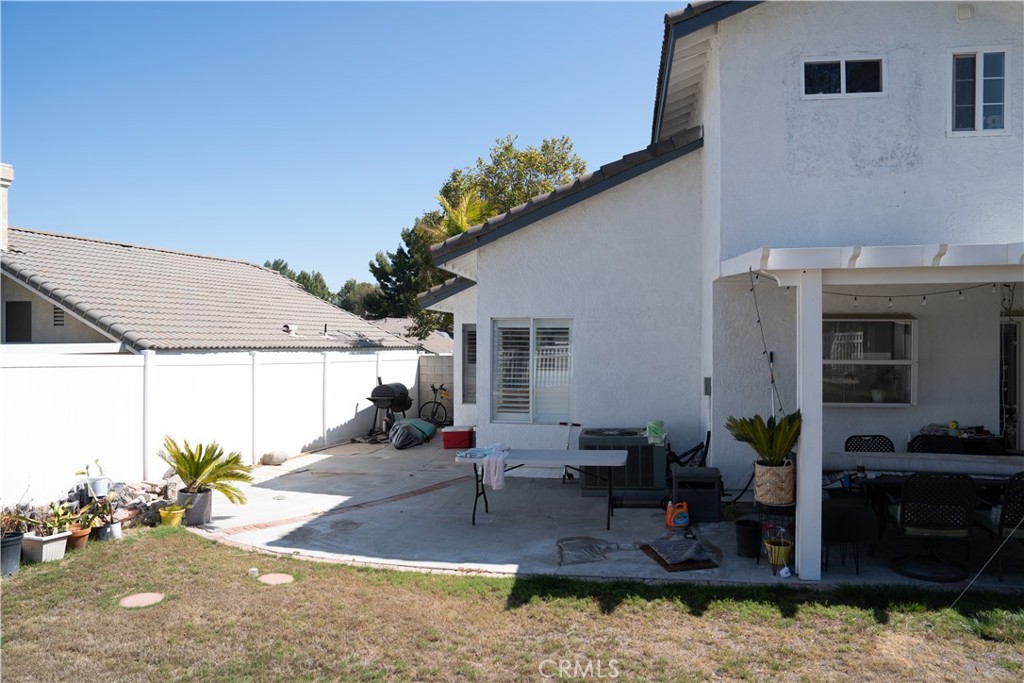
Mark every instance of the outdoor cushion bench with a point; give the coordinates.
(572, 460)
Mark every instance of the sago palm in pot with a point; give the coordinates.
(203, 470)
(773, 440)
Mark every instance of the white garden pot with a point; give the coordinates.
(44, 548)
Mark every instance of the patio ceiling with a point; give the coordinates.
(897, 264)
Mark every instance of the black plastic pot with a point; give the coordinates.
(200, 508)
(10, 553)
(748, 537)
(107, 532)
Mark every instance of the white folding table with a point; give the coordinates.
(573, 460)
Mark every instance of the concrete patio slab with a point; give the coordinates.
(373, 505)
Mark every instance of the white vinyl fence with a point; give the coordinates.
(59, 412)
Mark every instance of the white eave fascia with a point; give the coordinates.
(464, 265)
(897, 264)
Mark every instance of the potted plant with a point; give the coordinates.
(12, 530)
(171, 515)
(49, 540)
(99, 518)
(204, 470)
(773, 441)
(80, 532)
(778, 548)
(97, 486)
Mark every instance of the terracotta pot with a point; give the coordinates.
(79, 537)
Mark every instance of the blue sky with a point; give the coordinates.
(313, 132)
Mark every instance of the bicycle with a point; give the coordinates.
(434, 411)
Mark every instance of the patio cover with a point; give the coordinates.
(808, 270)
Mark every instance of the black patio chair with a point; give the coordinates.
(935, 507)
(869, 443)
(1006, 519)
(844, 525)
(935, 443)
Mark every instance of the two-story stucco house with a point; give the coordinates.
(829, 217)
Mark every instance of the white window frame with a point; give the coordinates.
(530, 416)
(910, 363)
(843, 59)
(979, 78)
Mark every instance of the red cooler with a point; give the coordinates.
(457, 437)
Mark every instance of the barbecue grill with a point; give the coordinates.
(391, 398)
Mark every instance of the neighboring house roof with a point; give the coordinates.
(436, 342)
(564, 196)
(158, 299)
(680, 76)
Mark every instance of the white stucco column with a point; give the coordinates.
(808, 394)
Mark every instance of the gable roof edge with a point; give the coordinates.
(692, 18)
(608, 176)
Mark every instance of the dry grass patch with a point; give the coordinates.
(339, 623)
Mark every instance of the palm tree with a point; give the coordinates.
(455, 219)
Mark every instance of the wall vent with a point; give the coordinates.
(58, 316)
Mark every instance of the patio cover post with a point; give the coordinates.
(809, 398)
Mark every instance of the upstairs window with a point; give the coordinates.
(829, 78)
(979, 92)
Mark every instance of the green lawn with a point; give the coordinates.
(62, 622)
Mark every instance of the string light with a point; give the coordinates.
(923, 295)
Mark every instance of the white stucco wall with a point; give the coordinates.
(73, 331)
(863, 169)
(957, 365)
(624, 265)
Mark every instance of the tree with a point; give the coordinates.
(352, 296)
(313, 283)
(469, 196)
(398, 275)
(281, 266)
(511, 176)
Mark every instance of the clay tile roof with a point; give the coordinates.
(158, 299)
